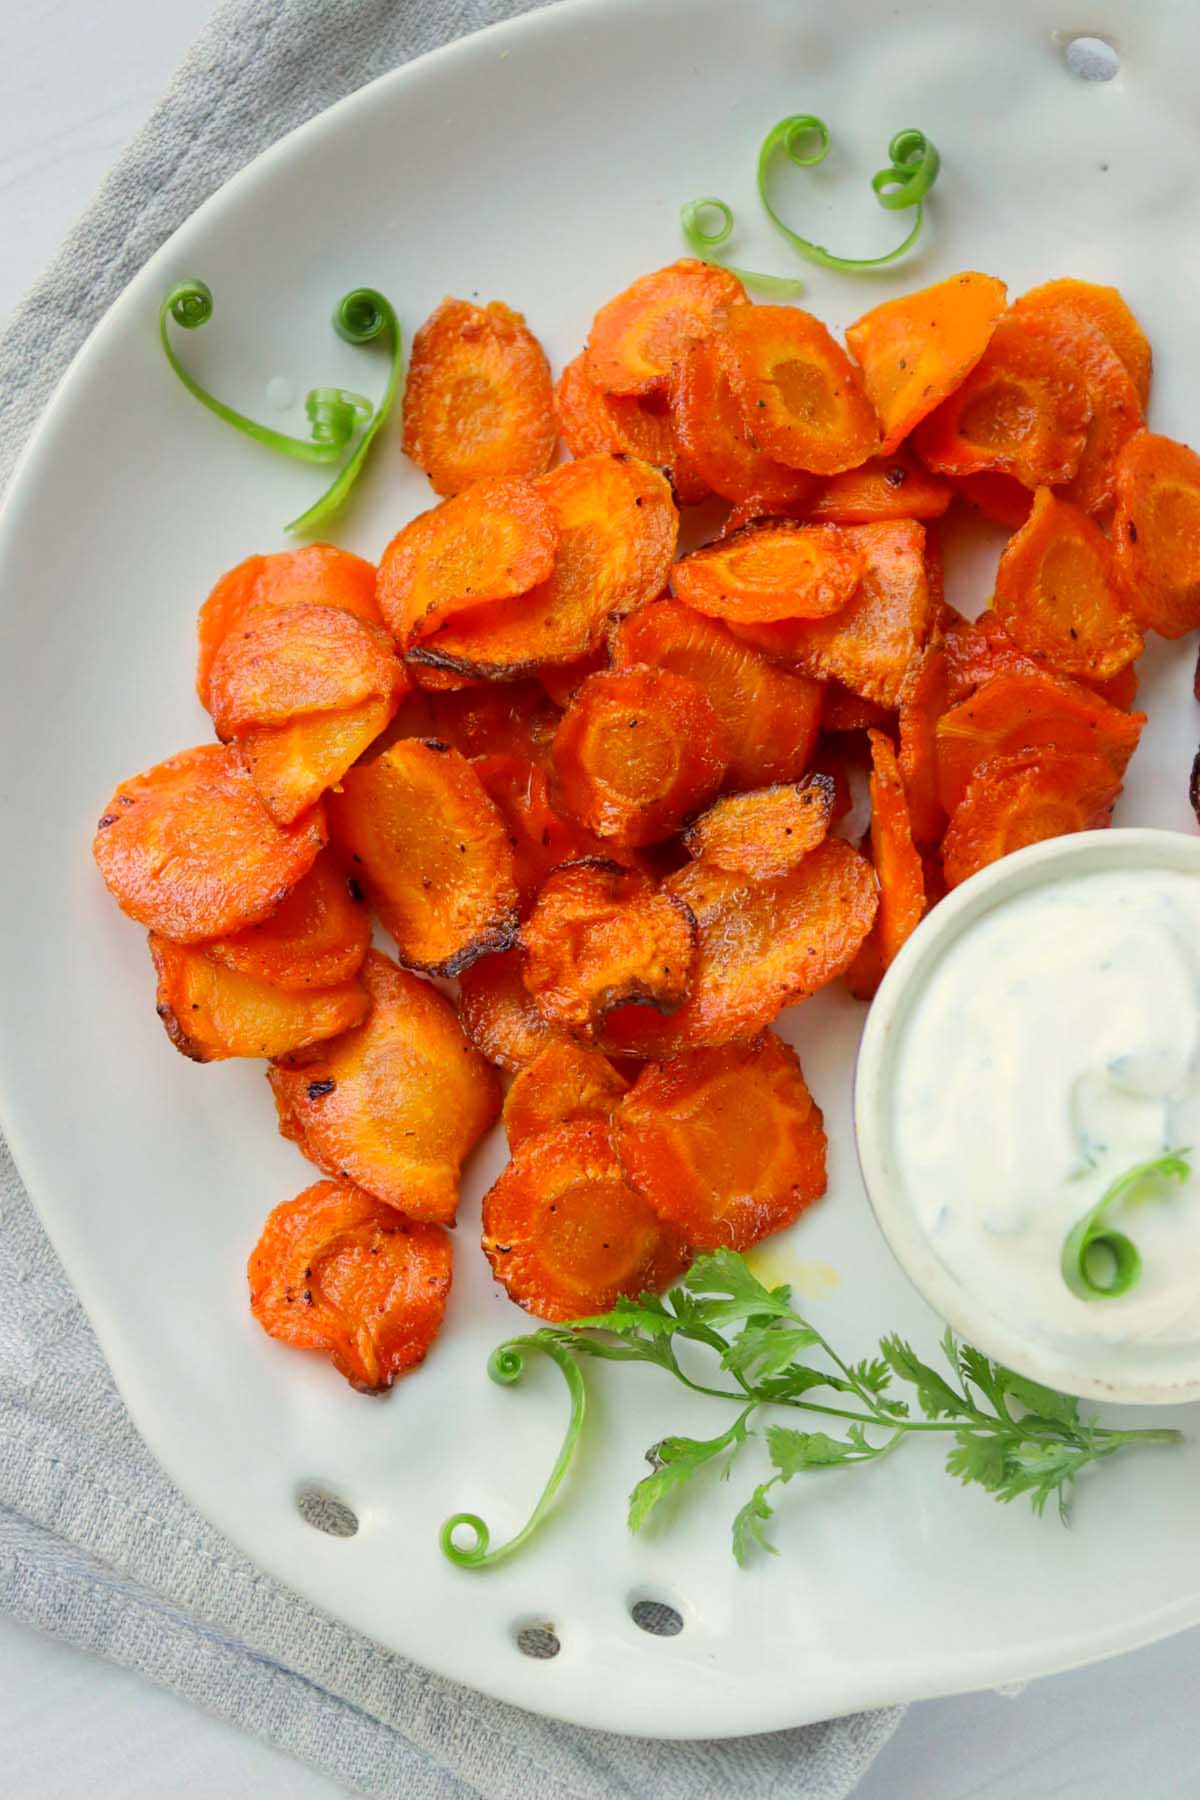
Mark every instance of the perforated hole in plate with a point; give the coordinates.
(537, 1638)
(1092, 59)
(325, 1512)
(657, 1618)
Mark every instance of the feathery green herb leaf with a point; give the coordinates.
(776, 1358)
(674, 1461)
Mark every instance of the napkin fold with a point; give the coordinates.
(96, 1545)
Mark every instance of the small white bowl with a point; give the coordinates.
(1172, 1374)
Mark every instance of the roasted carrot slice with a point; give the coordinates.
(687, 481)
(767, 832)
(634, 1034)
(493, 540)
(924, 697)
(935, 878)
(562, 681)
(1058, 596)
(229, 602)
(638, 337)
(978, 650)
(432, 853)
(302, 691)
(1116, 408)
(915, 351)
(1024, 711)
(540, 837)
(396, 1104)
(293, 765)
(601, 935)
(1156, 532)
(566, 1235)
(763, 945)
(189, 850)
(896, 858)
(317, 575)
(895, 486)
(617, 524)
(564, 1082)
(317, 938)
(715, 443)
(336, 1270)
(498, 1013)
(1000, 498)
(770, 715)
(499, 719)
(211, 1011)
(900, 867)
(757, 511)
(592, 422)
(870, 644)
(726, 1144)
(768, 944)
(802, 398)
(478, 401)
(1023, 798)
(865, 973)
(1022, 411)
(484, 719)
(1120, 689)
(778, 571)
(287, 661)
(846, 711)
(935, 580)
(834, 762)
(909, 881)
(440, 681)
(638, 751)
(1103, 308)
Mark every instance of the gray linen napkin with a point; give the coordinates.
(96, 1545)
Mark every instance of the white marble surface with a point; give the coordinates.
(76, 80)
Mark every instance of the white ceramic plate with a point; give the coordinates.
(544, 163)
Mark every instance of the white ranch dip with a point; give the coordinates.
(1054, 1045)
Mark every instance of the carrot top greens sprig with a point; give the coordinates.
(804, 139)
(334, 414)
(1009, 1435)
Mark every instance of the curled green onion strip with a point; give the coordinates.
(361, 316)
(905, 182)
(506, 1365)
(702, 242)
(1091, 1237)
(334, 414)
(804, 140)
